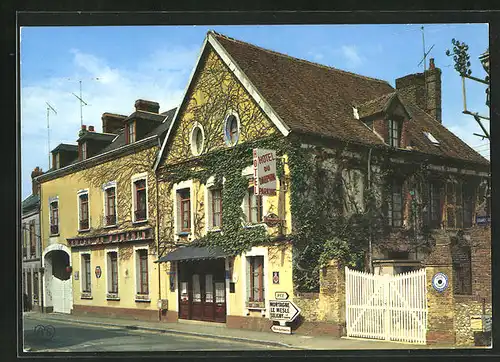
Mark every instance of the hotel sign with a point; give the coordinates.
(264, 171)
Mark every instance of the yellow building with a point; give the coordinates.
(98, 217)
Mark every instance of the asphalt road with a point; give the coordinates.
(76, 337)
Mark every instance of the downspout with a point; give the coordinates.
(158, 241)
(370, 265)
(42, 273)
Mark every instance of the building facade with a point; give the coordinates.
(31, 248)
(366, 174)
(98, 219)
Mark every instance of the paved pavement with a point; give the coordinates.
(248, 339)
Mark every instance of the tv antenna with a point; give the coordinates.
(49, 108)
(82, 103)
(424, 60)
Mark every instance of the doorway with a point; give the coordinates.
(202, 290)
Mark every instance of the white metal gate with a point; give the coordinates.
(388, 307)
(62, 295)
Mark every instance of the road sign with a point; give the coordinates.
(281, 295)
(282, 329)
(440, 282)
(283, 310)
(487, 323)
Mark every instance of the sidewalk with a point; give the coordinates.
(293, 341)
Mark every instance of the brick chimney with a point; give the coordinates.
(111, 122)
(35, 186)
(91, 129)
(417, 87)
(148, 106)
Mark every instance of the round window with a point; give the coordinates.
(197, 140)
(232, 129)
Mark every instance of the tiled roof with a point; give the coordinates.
(315, 99)
(375, 106)
(30, 203)
(65, 147)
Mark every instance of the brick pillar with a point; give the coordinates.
(440, 305)
(332, 295)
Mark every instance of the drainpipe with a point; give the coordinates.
(158, 244)
(370, 266)
(42, 269)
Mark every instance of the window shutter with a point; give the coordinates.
(249, 279)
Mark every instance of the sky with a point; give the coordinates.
(120, 64)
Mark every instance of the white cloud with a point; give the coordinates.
(162, 77)
(350, 53)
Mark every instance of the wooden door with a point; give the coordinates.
(220, 302)
(208, 298)
(184, 300)
(197, 303)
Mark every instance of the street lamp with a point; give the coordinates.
(485, 62)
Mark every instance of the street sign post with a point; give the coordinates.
(283, 310)
(281, 295)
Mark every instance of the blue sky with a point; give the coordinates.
(154, 62)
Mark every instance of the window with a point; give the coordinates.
(57, 161)
(83, 200)
(113, 272)
(25, 241)
(83, 148)
(185, 209)
(110, 206)
(216, 195)
(197, 140)
(231, 130)
(395, 208)
(432, 212)
(142, 256)
(86, 274)
(459, 205)
(54, 217)
(255, 273)
(32, 239)
(35, 286)
(394, 133)
(140, 200)
(131, 132)
(255, 207)
(462, 271)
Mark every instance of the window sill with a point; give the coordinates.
(112, 296)
(218, 230)
(86, 296)
(53, 235)
(255, 305)
(110, 226)
(184, 233)
(137, 222)
(83, 230)
(142, 299)
(251, 226)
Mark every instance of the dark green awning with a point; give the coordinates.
(185, 253)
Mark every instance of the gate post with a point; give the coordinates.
(332, 295)
(387, 306)
(440, 303)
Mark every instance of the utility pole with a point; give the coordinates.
(49, 108)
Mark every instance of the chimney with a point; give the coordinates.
(91, 128)
(35, 186)
(111, 122)
(423, 90)
(147, 106)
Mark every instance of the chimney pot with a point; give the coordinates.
(91, 128)
(148, 106)
(84, 127)
(431, 64)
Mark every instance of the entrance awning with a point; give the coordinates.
(185, 253)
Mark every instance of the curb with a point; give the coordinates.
(171, 331)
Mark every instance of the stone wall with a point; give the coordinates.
(308, 304)
(465, 308)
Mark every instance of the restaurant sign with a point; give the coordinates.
(264, 171)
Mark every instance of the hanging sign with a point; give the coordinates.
(264, 171)
(272, 220)
(276, 277)
(98, 271)
(440, 282)
(283, 310)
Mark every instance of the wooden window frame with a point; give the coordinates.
(391, 204)
(459, 201)
(140, 214)
(182, 201)
(84, 150)
(87, 274)
(83, 206)
(260, 278)
(143, 289)
(113, 270)
(259, 206)
(32, 233)
(216, 216)
(394, 125)
(130, 132)
(110, 205)
(25, 240)
(54, 217)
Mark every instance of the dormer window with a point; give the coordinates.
(394, 127)
(131, 132)
(431, 138)
(57, 162)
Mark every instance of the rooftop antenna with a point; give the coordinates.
(49, 108)
(82, 103)
(424, 60)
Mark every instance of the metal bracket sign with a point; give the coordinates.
(487, 323)
(281, 295)
(283, 310)
(282, 329)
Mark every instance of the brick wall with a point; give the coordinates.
(480, 241)
(465, 308)
(128, 313)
